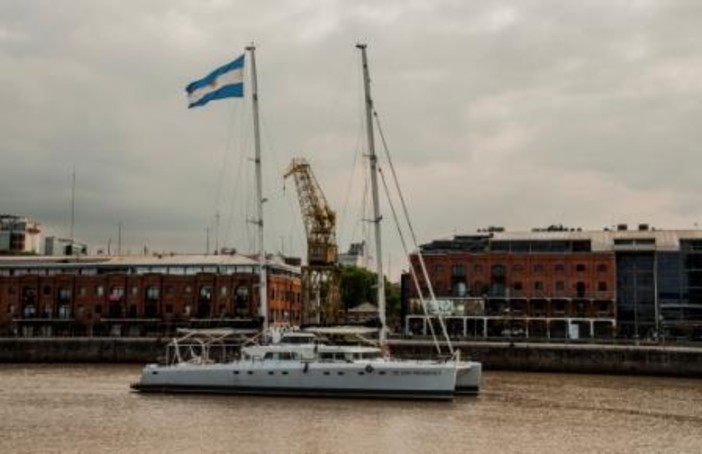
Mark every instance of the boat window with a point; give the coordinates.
(269, 355)
(326, 356)
(370, 355)
(288, 356)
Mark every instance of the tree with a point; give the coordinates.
(358, 285)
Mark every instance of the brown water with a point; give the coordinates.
(89, 408)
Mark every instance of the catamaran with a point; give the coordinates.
(301, 366)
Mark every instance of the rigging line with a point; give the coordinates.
(411, 230)
(296, 229)
(244, 140)
(412, 272)
(225, 154)
(345, 204)
(279, 170)
(360, 140)
(353, 176)
(363, 211)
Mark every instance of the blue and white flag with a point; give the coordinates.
(224, 82)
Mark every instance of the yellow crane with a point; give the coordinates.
(321, 297)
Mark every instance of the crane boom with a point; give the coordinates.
(320, 277)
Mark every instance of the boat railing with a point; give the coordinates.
(206, 346)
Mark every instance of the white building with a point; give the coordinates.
(356, 255)
(19, 235)
(63, 246)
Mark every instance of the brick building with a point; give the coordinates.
(133, 296)
(564, 283)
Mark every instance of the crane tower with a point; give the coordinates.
(320, 276)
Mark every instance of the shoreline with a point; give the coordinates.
(654, 360)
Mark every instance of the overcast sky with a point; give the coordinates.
(512, 113)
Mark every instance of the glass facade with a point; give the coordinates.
(636, 294)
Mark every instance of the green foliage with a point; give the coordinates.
(358, 285)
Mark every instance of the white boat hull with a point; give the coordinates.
(468, 378)
(378, 379)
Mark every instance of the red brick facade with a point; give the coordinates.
(88, 300)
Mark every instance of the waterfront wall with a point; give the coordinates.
(575, 358)
(571, 358)
(81, 350)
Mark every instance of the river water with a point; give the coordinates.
(89, 409)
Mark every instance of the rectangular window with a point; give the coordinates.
(458, 271)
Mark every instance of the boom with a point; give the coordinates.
(321, 275)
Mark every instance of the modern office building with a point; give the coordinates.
(355, 256)
(564, 283)
(141, 295)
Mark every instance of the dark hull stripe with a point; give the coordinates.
(314, 392)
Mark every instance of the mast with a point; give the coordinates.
(262, 288)
(373, 159)
(73, 207)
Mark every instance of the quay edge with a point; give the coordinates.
(656, 360)
(529, 357)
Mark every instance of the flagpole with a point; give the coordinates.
(262, 288)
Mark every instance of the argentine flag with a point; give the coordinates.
(224, 82)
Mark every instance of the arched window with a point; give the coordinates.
(580, 289)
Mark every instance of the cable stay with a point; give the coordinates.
(415, 244)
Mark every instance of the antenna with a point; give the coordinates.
(73, 206)
(119, 238)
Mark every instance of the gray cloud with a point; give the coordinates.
(519, 113)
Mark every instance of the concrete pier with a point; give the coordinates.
(574, 358)
(81, 350)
